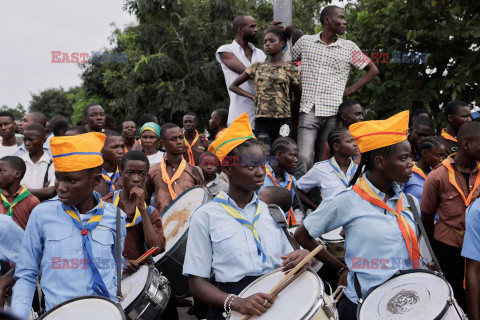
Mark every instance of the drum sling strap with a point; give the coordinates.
(279, 217)
(118, 249)
(422, 230)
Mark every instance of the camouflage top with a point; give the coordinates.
(272, 87)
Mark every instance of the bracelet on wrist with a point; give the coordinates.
(341, 270)
(227, 312)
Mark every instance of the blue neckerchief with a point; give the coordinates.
(352, 167)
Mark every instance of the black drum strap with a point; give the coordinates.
(358, 288)
(118, 247)
(414, 209)
(279, 217)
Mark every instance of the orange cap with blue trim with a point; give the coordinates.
(75, 153)
(375, 134)
(238, 132)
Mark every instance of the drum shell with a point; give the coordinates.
(45, 316)
(143, 308)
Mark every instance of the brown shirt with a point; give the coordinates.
(440, 196)
(450, 145)
(135, 239)
(22, 210)
(103, 188)
(155, 182)
(197, 149)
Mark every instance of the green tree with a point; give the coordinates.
(54, 101)
(448, 31)
(18, 112)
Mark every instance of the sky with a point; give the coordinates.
(32, 29)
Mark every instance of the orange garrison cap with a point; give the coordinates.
(375, 134)
(75, 153)
(238, 132)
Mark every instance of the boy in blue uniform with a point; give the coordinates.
(70, 239)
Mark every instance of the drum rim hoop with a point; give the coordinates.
(403, 272)
(179, 196)
(58, 306)
(151, 272)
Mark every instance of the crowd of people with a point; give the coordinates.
(290, 138)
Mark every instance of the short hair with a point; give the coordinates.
(112, 133)
(326, 12)
(56, 118)
(165, 127)
(39, 118)
(428, 143)
(468, 131)
(80, 123)
(128, 120)
(282, 33)
(418, 112)
(17, 164)
(36, 127)
(78, 130)
(422, 121)
(345, 105)
(335, 136)
(277, 195)
(7, 114)
(238, 22)
(453, 107)
(297, 34)
(223, 115)
(204, 154)
(190, 113)
(59, 126)
(134, 155)
(109, 120)
(148, 117)
(281, 144)
(88, 106)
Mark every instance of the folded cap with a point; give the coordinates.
(75, 153)
(375, 134)
(238, 132)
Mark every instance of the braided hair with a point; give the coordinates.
(367, 162)
(281, 144)
(428, 143)
(335, 136)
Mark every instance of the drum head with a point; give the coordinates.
(293, 303)
(333, 236)
(413, 295)
(88, 307)
(175, 218)
(133, 285)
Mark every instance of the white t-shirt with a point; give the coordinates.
(240, 104)
(155, 158)
(35, 174)
(7, 151)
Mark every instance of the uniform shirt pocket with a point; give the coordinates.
(58, 243)
(102, 247)
(272, 241)
(223, 243)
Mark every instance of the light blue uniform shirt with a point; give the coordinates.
(372, 234)
(218, 242)
(52, 242)
(414, 186)
(10, 239)
(323, 176)
(471, 242)
(46, 147)
(268, 182)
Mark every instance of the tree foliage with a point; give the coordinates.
(448, 30)
(18, 112)
(54, 101)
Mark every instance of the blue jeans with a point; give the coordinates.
(312, 135)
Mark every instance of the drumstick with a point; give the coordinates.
(146, 255)
(290, 274)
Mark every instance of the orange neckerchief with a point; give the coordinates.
(191, 160)
(291, 217)
(448, 136)
(419, 171)
(365, 191)
(453, 181)
(219, 132)
(166, 178)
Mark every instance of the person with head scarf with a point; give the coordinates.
(374, 212)
(223, 231)
(150, 139)
(66, 236)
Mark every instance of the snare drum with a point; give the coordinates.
(175, 220)
(87, 307)
(303, 299)
(145, 294)
(335, 243)
(411, 294)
